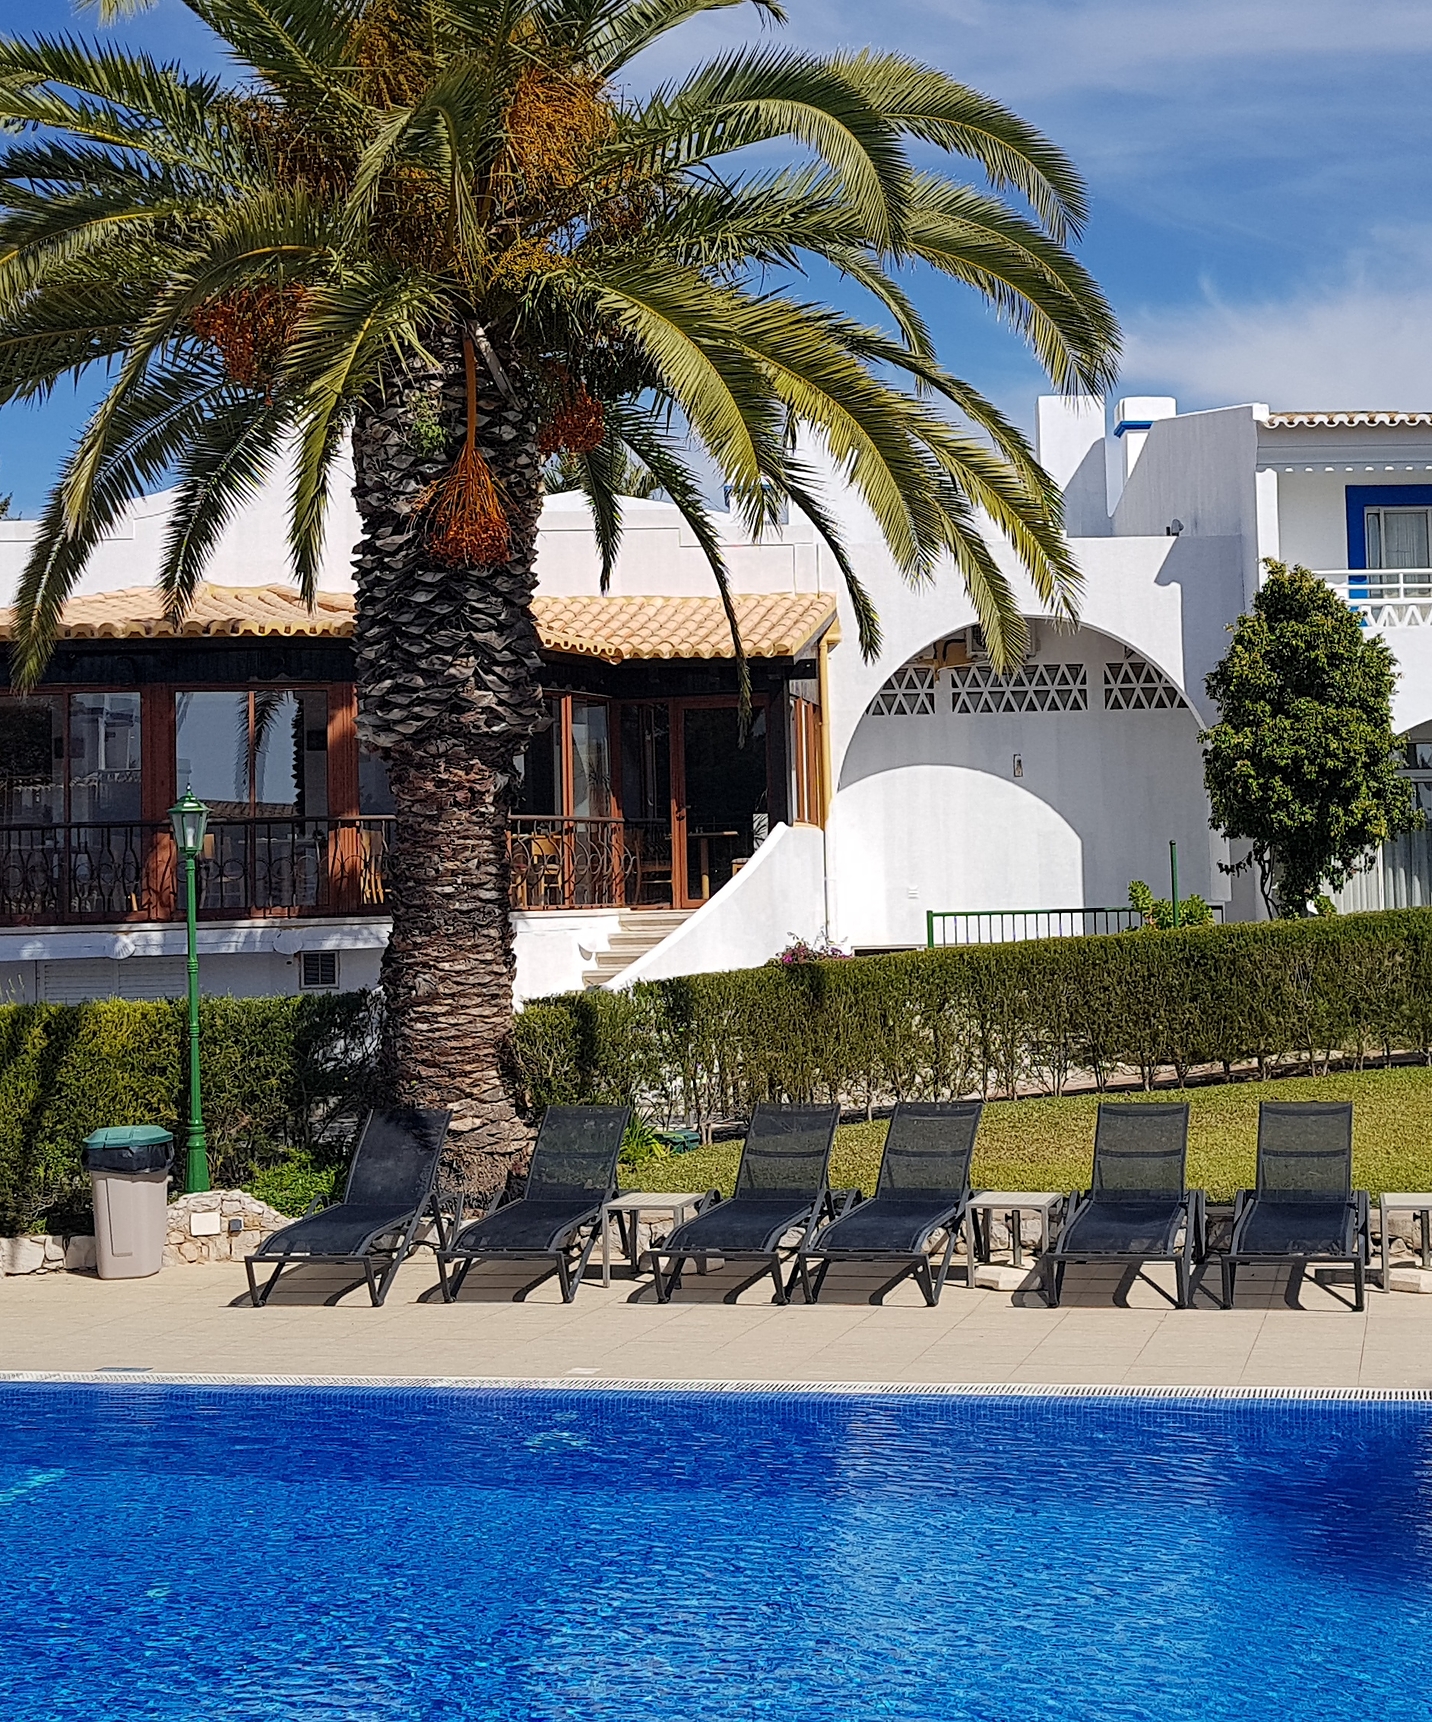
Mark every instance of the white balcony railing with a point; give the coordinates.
(1386, 598)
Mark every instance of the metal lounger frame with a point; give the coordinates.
(402, 1226)
(917, 1263)
(1357, 1200)
(821, 1206)
(1194, 1248)
(365, 1258)
(828, 1205)
(567, 1266)
(1232, 1260)
(1191, 1204)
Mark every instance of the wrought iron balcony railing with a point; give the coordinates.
(126, 871)
(560, 863)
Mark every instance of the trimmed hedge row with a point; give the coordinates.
(989, 1019)
(283, 1080)
(286, 1078)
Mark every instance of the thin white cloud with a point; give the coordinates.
(1359, 341)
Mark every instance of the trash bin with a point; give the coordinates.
(129, 1174)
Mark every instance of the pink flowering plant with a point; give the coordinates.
(806, 951)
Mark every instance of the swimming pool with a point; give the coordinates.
(268, 1553)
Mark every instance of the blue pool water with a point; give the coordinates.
(192, 1553)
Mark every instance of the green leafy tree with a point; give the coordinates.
(451, 235)
(1302, 763)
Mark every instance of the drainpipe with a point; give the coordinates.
(823, 688)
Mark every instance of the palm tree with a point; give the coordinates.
(446, 232)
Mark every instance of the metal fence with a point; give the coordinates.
(56, 874)
(1005, 926)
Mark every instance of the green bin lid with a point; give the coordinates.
(129, 1136)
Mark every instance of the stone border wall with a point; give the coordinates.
(230, 1225)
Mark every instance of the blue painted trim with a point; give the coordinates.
(1132, 424)
(1361, 496)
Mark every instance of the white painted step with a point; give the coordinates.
(641, 930)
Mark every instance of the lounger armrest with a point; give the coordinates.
(1363, 1203)
(840, 1202)
(709, 1200)
(316, 1206)
(1198, 1221)
(1074, 1204)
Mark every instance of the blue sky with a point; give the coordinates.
(1261, 173)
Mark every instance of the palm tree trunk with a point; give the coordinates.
(448, 689)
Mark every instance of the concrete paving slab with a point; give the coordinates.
(199, 1320)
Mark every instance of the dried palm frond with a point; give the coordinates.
(469, 527)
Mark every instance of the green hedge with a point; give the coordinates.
(990, 1018)
(283, 1080)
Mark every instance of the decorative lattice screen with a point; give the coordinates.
(908, 693)
(978, 689)
(1134, 686)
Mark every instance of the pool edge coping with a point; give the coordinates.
(120, 1377)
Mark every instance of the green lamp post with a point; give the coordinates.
(190, 819)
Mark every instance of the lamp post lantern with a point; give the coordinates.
(190, 818)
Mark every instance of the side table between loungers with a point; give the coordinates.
(627, 1210)
(1417, 1202)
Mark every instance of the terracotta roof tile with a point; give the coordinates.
(137, 613)
(773, 625)
(776, 625)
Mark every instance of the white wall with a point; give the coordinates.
(1312, 517)
(930, 814)
(251, 552)
(70, 979)
(555, 948)
(777, 896)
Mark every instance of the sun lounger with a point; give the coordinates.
(923, 1188)
(558, 1216)
(1136, 1206)
(388, 1194)
(780, 1186)
(1304, 1208)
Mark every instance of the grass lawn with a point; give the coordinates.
(1049, 1144)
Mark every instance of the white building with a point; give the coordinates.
(871, 796)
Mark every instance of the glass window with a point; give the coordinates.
(541, 766)
(277, 754)
(1398, 538)
(260, 755)
(32, 755)
(104, 758)
(646, 762)
(211, 751)
(591, 760)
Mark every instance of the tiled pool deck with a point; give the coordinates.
(197, 1320)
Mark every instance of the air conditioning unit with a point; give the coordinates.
(972, 641)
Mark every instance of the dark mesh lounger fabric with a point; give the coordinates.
(524, 1225)
(1303, 1205)
(924, 1178)
(391, 1177)
(1304, 1208)
(1136, 1199)
(780, 1179)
